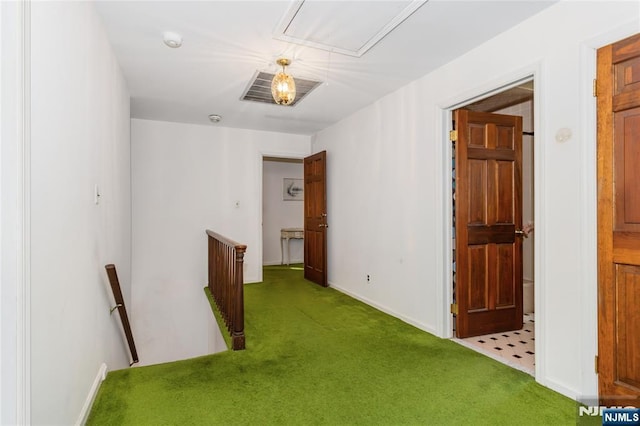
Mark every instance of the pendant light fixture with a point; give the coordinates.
(283, 87)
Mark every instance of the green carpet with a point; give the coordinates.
(316, 356)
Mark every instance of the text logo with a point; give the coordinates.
(621, 416)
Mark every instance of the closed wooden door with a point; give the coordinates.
(488, 223)
(619, 222)
(315, 218)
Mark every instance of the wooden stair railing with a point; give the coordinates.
(122, 310)
(226, 284)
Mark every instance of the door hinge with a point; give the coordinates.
(453, 135)
(454, 308)
(596, 363)
(595, 88)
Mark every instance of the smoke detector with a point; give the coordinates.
(215, 118)
(171, 39)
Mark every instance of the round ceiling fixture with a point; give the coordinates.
(173, 40)
(215, 118)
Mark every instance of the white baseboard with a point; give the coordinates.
(559, 387)
(386, 310)
(88, 403)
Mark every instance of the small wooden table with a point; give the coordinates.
(288, 234)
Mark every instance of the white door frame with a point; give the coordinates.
(445, 110)
(15, 254)
(260, 176)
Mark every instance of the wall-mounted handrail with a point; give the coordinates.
(226, 283)
(117, 295)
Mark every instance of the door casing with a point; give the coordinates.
(533, 72)
(260, 176)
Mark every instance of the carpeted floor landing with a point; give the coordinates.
(316, 356)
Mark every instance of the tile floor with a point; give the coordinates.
(515, 348)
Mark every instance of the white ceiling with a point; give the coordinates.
(226, 42)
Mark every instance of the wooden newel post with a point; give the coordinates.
(237, 336)
(210, 263)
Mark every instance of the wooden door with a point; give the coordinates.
(315, 218)
(619, 223)
(488, 222)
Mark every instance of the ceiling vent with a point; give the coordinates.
(259, 90)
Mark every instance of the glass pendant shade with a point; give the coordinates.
(283, 87)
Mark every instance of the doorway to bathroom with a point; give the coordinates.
(494, 268)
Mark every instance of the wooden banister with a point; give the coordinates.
(122, 310)
(226, 283)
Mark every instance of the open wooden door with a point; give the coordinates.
(619, 223)
(488, 222)
(315, 218)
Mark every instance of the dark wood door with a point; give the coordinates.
(315, 218)
(488, 222)
(619, 222)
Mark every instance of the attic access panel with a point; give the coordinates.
(341, 26)
(259, 89)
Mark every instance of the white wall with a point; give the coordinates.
(186, 179)
(79, 138)
(278, 213)
(387, 184)
(525, 110)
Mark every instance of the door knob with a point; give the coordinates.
(323, 225)
(520, 233)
